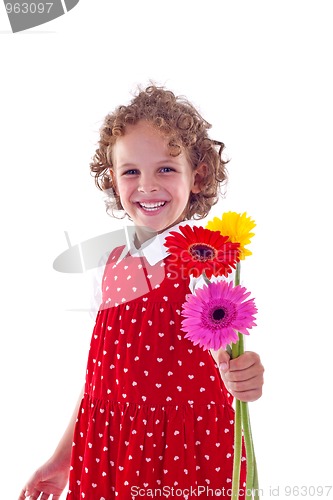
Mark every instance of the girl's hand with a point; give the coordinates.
(242, 376)
(50, 479)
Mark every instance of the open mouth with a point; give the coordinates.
(152, 207)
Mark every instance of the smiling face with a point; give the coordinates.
(154, 187)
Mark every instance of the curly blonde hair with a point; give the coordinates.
(177, 119)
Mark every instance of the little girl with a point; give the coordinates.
(155, 418)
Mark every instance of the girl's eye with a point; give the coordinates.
(134, 171)
(131, 172)
(167, 169)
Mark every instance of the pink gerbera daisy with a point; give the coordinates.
(216, 313)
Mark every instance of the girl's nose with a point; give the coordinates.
(147, 184)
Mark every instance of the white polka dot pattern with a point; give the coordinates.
(155, 412)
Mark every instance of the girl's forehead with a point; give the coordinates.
(144, 140)
(143, 127)
(141, 138)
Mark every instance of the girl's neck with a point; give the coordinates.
(143, 234)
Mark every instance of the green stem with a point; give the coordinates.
(249, 449)
(237, 452)
(237, 275)
(245, 417)
(255, 479)
(235, 350)
(242, 423)
(207, 281)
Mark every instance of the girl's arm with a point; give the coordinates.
(51, 478)
(64, 449)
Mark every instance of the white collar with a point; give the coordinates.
(153, 249)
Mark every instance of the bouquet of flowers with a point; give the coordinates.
(219, 314)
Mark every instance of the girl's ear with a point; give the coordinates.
(199, 175)
(113, 177)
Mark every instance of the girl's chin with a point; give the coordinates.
(148, 225)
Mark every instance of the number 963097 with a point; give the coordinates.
(28, 8)
(308, 491)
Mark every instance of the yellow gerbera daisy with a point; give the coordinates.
(237, 226)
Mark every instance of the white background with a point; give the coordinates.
(261, 73)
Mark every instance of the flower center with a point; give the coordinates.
(202, 251)
(218, 314)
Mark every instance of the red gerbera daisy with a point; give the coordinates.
(198, 250)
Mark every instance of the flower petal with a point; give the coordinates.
(213, 331)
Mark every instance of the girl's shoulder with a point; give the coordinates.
(115, 254)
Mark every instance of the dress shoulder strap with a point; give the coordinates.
(113, 257)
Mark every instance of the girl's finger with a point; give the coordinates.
(243, 375)
(248, 396)
(34, 495)
(22, 494)
(244, 361)
(45, 496)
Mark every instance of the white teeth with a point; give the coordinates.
(152, 206)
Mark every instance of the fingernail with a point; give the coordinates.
(223, 366)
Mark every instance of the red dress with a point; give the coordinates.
(156, 419)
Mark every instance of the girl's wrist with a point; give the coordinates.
(62, 457)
